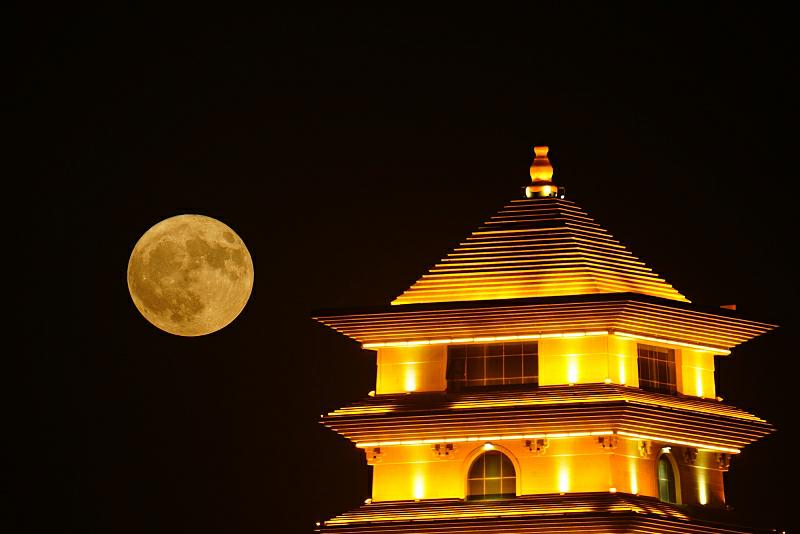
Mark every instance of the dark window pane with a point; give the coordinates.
(492, 486)
(506, 467)
(530, 365)
(476, 470)
(475, 369)
(666, 480)
(456, 368)
(509, 486)
(495, 349)
(491, 475)
(457, 351)
(492, 364)
(476, 487)
(656, 368)
(476, 351)
(494, 367)
(492, 464)
(512, 366)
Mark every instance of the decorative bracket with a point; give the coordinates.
(537, 446)
(645, 448)
(443, 450)
(374, 455)
(690, 455)
(723, 461)
(608, 442)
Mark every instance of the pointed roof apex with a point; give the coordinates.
(542, 175)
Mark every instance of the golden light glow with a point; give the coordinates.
(534, 248)
(529, 505)
(698, 382)
(572, 369)
(413, 442)
(481, 339)
(419, 486)
(622, 377)
(411, 378)
(715, 350)
(634, 479)
(702, 446)
(702, 487)
(623, 314)
(563, 478)
(488, 447)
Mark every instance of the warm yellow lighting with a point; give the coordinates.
(480, 339)
(488, 447)
(563, 479)
(622, 377)
(419, 486)
(572, 370)
(410, 382)
(607, 381)
(413, 442)
(634, 479)
(612, 490)
(715, 350)
(702, 488)
(679, 442)
(698, 382)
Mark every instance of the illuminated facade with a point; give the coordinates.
(541, 378)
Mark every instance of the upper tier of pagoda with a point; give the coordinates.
(542, 246)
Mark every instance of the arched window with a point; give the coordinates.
(666, 480)
(491, 476)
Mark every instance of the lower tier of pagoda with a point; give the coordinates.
(576, 512)
(546, 412)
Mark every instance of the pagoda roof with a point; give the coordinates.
(573, 512)
(525, 412)
(667, 320)
(537, 247)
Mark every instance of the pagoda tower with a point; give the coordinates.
(541, 378)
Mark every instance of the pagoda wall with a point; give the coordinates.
(572, 360)
(567, 465)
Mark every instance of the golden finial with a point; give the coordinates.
(542, 175)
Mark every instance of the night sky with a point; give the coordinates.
(351, 150)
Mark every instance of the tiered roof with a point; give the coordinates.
(537, 248)
(606, 513)
(557, 411)
(716, 329)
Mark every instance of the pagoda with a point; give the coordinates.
(541, 378)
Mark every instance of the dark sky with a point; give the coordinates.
(350, 150)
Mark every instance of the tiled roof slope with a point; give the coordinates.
(535, 248)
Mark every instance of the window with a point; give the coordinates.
(657, 369)
(492, 364)
(491, 476)
(666, 480)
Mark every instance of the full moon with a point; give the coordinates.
(190, 275)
